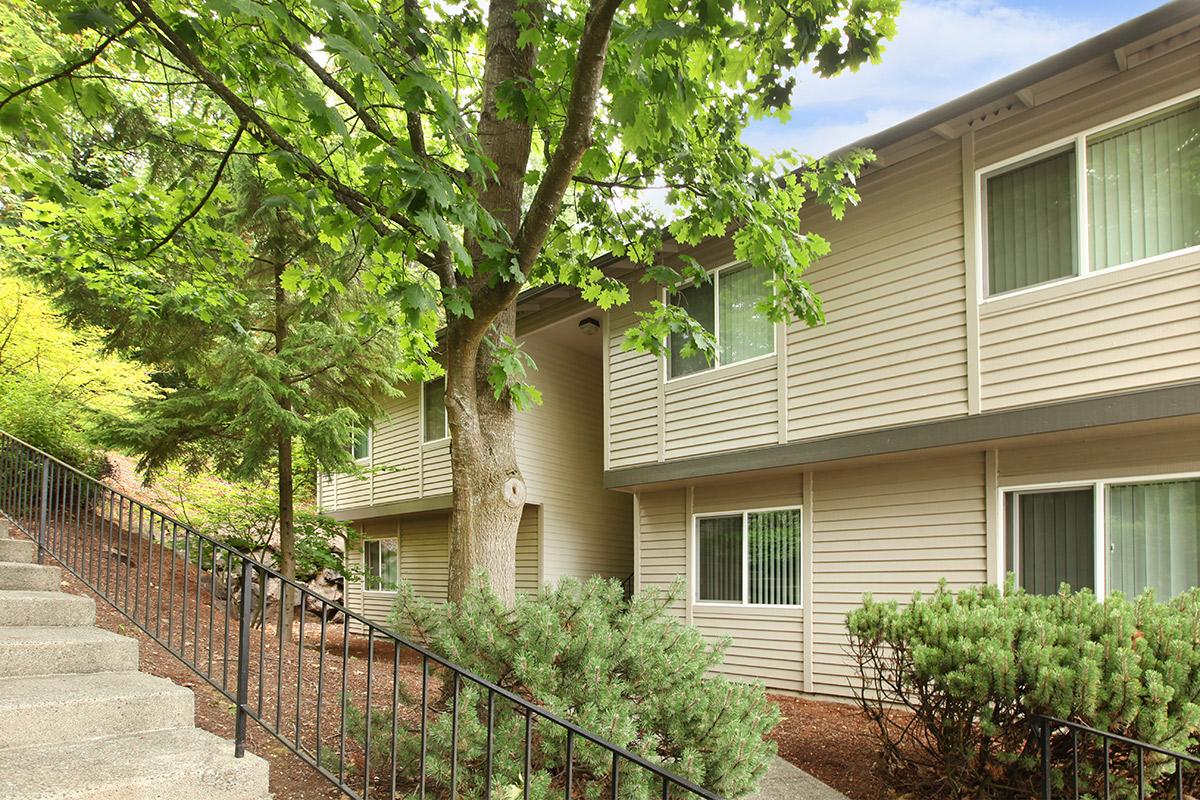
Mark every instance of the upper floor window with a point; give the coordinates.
(1111, 197)
(1109, 536)
(381, 563)
(749, 558)
(360, 448)
(727, 307)
(435, 426)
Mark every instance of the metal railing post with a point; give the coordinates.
(243, 657)
(1047, 788)
(45, 508)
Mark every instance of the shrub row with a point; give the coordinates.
(954, 683)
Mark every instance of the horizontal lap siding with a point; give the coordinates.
(893, 350)
(586, 529)
(1110, 332)
(1108, 455)
(528, 568)
(890, 529)
(727, 413)
(766, 644)
(663, 540)
(394, 446)
(633, 388)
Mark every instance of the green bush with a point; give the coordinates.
(628, 671)
(32, 410)
(954, 683)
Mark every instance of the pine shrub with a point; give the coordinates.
(954, 684)
(628, 671)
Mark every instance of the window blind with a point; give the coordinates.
(720, 559)
(1031, 218)
(745, 331)
(774, 557)
(1144, 188)
(1154, 537)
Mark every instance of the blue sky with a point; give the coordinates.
(943, 48)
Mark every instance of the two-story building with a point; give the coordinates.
(1008, 381)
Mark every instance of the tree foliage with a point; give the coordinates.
(458, 152)
(954, 684)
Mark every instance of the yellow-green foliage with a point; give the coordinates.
(36, 341)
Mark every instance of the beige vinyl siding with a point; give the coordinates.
(528, 559)
(425, 559)
(436, 477)
(662, 541)
(730, 409)
(586, 529)
(766, 643)
(890, 529)
(1115, 454)
(394, 445)
(1110, 331)
(893, 350)
(633, 387)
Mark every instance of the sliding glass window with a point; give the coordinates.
(749, 558)
(1141, 180)
(727, 307)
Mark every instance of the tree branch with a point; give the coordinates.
(71, 68)
(576, 135)
(212, 187)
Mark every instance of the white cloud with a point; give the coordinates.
(943, 48)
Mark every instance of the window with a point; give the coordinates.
(727, 307)
(1147, 535)
(749, 558)
(360, 448)
(1136, 196)
(433, 411)
(381, 563)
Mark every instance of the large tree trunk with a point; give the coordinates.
(489, 492)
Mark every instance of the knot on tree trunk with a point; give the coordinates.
(513, 491)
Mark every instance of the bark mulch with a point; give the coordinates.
(832, 742)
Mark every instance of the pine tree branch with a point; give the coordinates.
(212, 187)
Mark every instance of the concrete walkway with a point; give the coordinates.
(785, 781)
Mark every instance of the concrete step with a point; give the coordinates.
(186, 764)
(54, 709)
(35, 577)
(64, 651)
(45, 609)
(20, 551)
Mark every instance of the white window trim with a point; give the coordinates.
(1078, 143)
(665, 297)
(421, 417)
(694, 578)
(366, 460)
(1100, 543)
(367, 576)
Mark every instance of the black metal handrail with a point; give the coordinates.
(1077, 784)
(131, 555)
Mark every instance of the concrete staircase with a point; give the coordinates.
(77, 720)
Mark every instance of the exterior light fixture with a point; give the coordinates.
(589, 325)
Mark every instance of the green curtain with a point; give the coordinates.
(719, 558)
(435, 410)
(1144, 188)
(1153, 532)
(1057, 540)
(698, 300)
(774, 546)
(745, 331)
(1031, 218)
